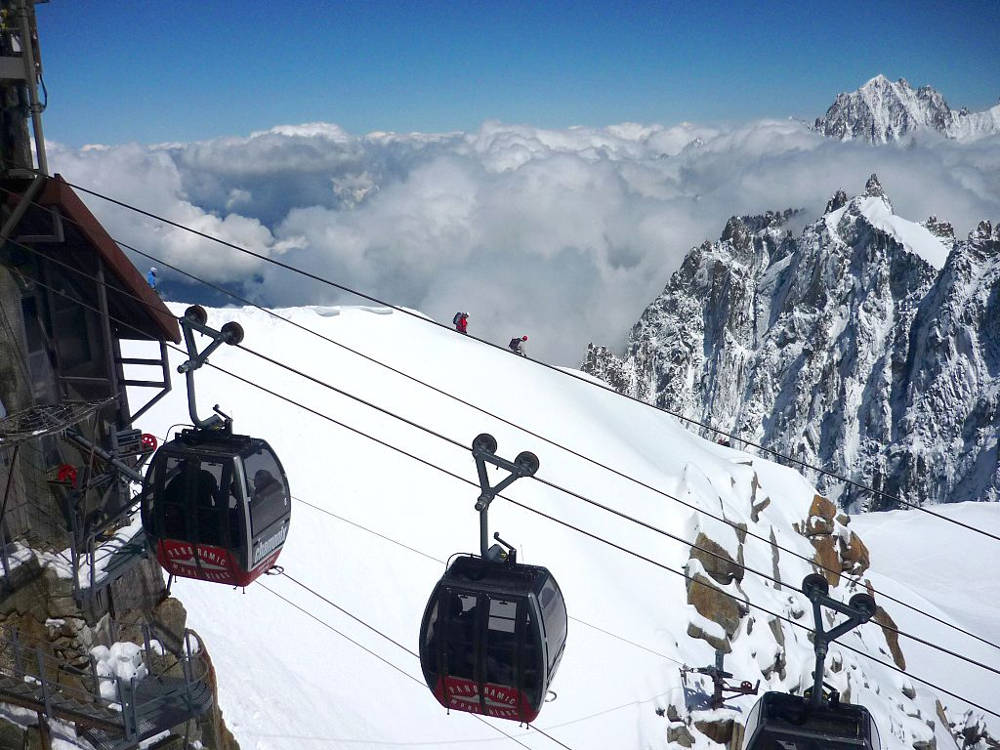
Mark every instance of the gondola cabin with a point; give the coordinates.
(791, 722)
(492, 636)
(216, 506)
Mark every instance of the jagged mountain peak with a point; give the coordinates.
(882, 110)
(985, 232)
(867, 345)
(837, 200)
(873, 187)
(942, 229)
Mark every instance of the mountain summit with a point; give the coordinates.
(883, 111)
(867, 345)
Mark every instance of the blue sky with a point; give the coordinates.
(189, 69)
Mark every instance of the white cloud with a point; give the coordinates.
(564, 235)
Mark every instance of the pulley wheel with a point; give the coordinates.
(485, 442)
(527, 462)
(197, 314)
(864, 603)
(815, 585)
(233, 332)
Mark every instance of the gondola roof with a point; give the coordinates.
(474, 571)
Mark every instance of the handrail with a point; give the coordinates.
(40, 672)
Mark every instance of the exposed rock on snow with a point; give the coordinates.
(883, 111)
(868, 345)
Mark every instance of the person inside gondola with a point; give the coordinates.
(206, 500)
(265, 486)
(461, 643)
(174, 526)
(500, 658)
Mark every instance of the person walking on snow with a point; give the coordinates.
(151, 277)
(461, 321)
(516, 345)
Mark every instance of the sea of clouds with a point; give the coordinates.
(563, 235)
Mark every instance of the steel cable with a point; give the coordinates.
(678, 415)
(571, 451)
(571, 493)
(563, 523)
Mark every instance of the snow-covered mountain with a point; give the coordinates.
(868, 345)
(883, 111)
(287, 680)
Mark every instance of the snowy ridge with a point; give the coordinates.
(882, 111)
(914, 237)
(285, 679)
(867, 345)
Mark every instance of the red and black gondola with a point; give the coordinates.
(492, 636)
(780, 721)
(216, 506)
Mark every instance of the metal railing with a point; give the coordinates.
(175, 687)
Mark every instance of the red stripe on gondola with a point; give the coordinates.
(215, 564)
(501, 701)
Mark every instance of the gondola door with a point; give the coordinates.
(197, 518)
(268, 508)
(485, 650)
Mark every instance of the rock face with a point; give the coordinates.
(868, 345)
(883, 111)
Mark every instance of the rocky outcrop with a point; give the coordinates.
(867, 345)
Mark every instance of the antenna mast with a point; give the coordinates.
(20, 72)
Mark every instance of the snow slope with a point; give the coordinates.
(288, 681)
(913, 236)
(942, 562)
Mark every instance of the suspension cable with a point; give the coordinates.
(444, 562)
(722, 519)
(552, 485)
(376, 300)
(327, 625)
(552, 518)
(557, 444)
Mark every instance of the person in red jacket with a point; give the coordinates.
(516, 345)
(461, 321)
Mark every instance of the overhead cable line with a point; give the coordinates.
(552, 485)
(382, 659)
(588, 500)
(561, 522)
(722, 519)
(595, 537)
(444, 562)
(391, 640)
(376, 300)
(550, 441)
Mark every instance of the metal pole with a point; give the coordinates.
(131, 702)
(820, 646)
(124, 468)
(31, 80)
(146, 644)
(109, 347)
(3, 509)
(484, 532)
(43, 732)
(717, 699)
(93, 676)
(45, 687)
